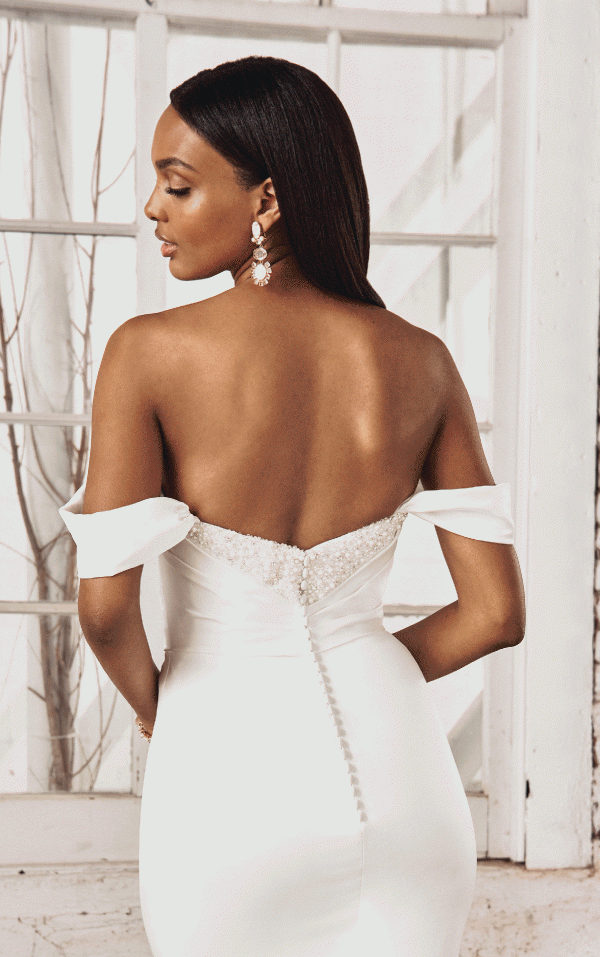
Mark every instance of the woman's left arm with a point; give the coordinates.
(126, 463)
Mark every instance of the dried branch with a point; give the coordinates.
(118, 176)
(58, 653)
(49, 80)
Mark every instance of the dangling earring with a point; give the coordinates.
(261, 269)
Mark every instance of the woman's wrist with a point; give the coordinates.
(145, 727)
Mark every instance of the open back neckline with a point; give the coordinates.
(300, 575)
(296, 548)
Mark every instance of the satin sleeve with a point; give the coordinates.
(112, 541)
(483, 512)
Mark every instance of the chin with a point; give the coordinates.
(179, 273)
(189, 274)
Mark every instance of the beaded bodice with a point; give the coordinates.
(297, 574)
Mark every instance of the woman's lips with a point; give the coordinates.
(167, 248)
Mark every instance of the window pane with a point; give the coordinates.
(69, 117)
(417, 6)
(61, 298)
(189, 53)
(40, 467)
(424, 119)
(446, 290)
(82, 741)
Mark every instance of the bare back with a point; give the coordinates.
(293, 417)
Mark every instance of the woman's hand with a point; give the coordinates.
(146, 727)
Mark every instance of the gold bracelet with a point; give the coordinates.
(144, 731)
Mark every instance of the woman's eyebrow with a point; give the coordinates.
(173, 161)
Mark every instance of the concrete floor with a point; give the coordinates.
(94, 912)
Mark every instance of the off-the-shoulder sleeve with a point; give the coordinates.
(112, 541)
(483, 512)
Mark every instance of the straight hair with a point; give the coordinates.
(272, 118)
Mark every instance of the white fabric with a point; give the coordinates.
(300, 796)
(112, 541)
(482, 512)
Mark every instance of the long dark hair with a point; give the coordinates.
(270, 117)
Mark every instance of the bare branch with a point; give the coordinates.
(49, 483)
(13, 287)
(118, 176)
(61, 174)
(36, 693)
(95, 185)
(61, 647)
(17, 552)
(8, 399)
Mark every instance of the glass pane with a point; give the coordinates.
(446, 290)
(61, 298)
(60, 730)
(189, 53)
(417, 6)
(424, 120)
(69, 117)
(40, 467)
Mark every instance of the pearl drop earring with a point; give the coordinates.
(261, 269)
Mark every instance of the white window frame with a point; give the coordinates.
(88, 833)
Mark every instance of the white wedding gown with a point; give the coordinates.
(300, 797)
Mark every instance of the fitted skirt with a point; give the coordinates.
(270, 830)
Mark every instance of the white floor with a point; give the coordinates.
(94, 912)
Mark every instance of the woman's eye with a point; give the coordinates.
(177, 192)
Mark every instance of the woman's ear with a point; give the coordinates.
(269, 209)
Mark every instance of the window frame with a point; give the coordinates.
(503, 724)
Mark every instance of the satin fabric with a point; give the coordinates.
(112, 541)
(266, 831)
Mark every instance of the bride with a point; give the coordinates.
(300, 797)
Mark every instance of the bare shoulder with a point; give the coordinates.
(421, 354)
(153, 338)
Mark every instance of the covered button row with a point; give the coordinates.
(303, 580)
(338, 732)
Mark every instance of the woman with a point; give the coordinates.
(300, 797)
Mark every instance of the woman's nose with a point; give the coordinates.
(151, 208)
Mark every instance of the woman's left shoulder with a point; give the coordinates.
(137, 331)
(140, 344)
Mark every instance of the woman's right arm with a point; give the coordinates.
(489, 612)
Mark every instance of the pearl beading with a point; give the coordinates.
(305, 577)
(280, 566)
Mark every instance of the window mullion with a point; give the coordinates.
(55, 227)
(432, 239)
(46, 418)
(38, 607)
